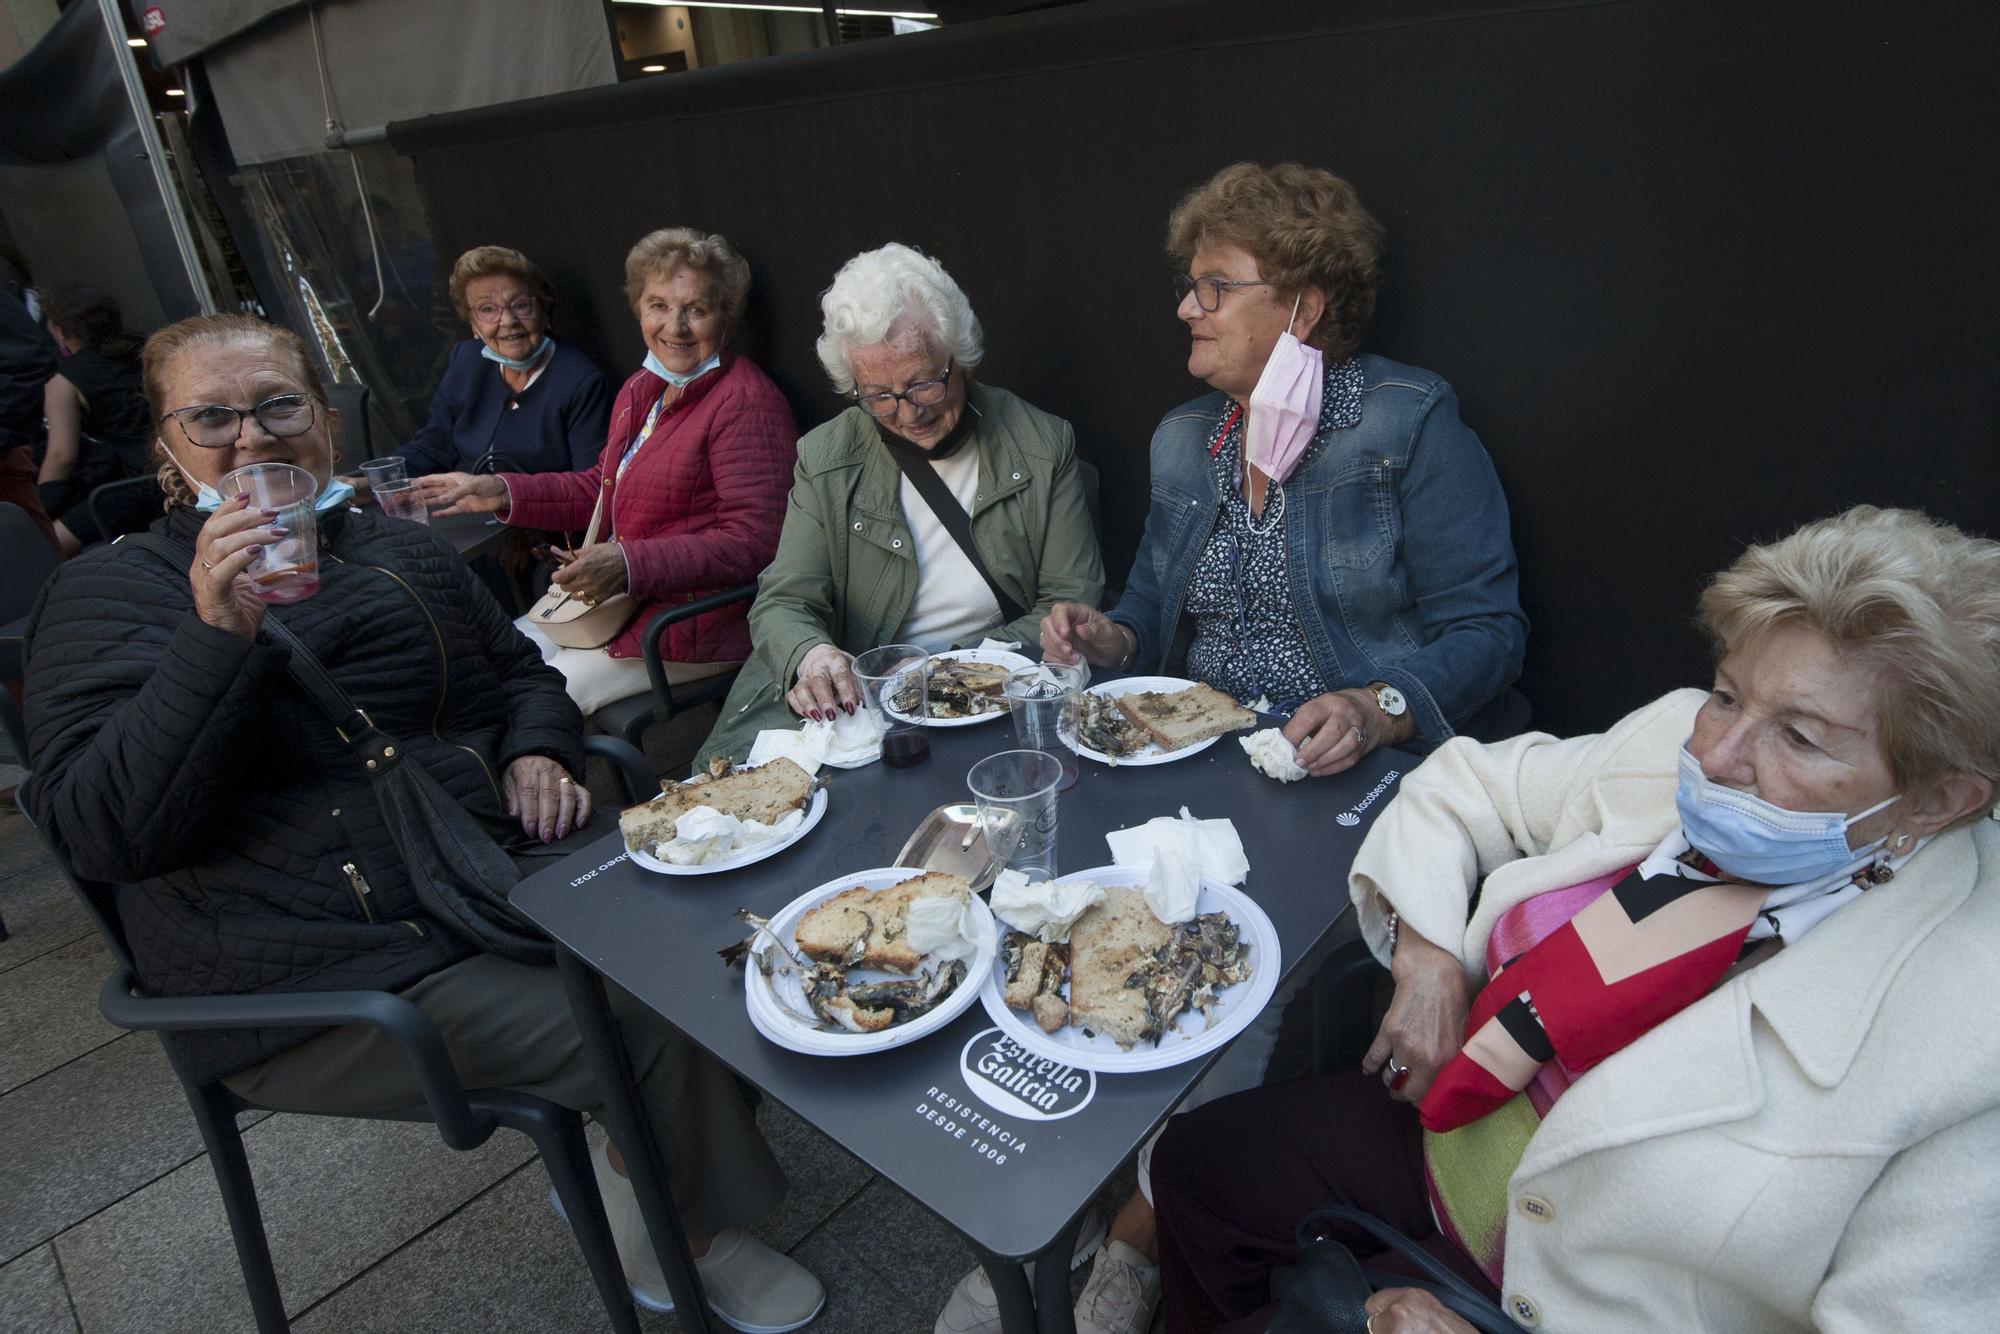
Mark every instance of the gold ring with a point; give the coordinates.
(1369, 1325)
(566, 781)
(206, 566)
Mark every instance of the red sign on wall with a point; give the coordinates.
(153, 19)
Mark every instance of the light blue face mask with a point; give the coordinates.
(675, 378)
(526, 363)
(207, 499)
(1754, 840)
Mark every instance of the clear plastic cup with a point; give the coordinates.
(897, 675)
(1043, 702)
(403, 500)
(1016, 792)
(385, 472)
(288, 569)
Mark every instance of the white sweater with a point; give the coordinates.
(1815, 1145)
(952, 601)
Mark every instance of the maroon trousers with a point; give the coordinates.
(1233, 1179)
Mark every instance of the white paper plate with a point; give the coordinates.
(778, 1021)
(1193, 1035)
(1013, 662)
(814, 810)
(1152, 754)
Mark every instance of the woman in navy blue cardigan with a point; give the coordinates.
(512, 399)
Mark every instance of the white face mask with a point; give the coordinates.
(518, 364)
(676, 378)
(1284, 407)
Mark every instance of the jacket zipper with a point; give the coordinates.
(444, 677)
(359, 884)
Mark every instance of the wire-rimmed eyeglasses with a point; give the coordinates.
(922, 394)
(522, 308)
(217, 426)
(1208, 291)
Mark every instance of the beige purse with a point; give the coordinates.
(571, 622)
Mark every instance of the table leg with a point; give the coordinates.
(1010, 1289)
(625, 1110)
(1053, 1314)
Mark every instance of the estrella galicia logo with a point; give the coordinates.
(1015, 1082)
(1351, 817)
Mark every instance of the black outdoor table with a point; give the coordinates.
(1014, 1185)
(471, 534)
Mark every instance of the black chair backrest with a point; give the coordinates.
(356, 440)
(99, 898)
(100, 499)
(27, 558)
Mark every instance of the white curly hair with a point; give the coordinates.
(894, 290)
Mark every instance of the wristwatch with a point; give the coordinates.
(1388, 699)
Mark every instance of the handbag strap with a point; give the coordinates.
(1435, 1272)
(376, 749)
(957, 522)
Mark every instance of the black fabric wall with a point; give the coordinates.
(1700, 270)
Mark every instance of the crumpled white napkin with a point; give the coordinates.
(848, 740)
(1271, 754)
(940, 926)
(704, 834)
(1213, 845)
(1172, 886)
(1003, 645)
(1043, 909)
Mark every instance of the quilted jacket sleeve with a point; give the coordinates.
(751, 448)
(136, 708)
(555, 501)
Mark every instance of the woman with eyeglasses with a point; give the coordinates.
(688, 484)
(1327, 541)
(865, 558)
(512, 397)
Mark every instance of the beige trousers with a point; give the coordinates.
(508, 1025)
(594, 678)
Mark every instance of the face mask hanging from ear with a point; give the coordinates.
(333, 493)
(676, 378)
(1756, 840)
(518, 364)
(1284, 407)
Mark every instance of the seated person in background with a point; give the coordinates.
(691, 478)
(512, 397)
(175, 757)
(1791, 875)
(864, 561)
(1325, 534)
(99, 429)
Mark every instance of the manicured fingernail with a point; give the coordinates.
(849, 708)
(562, 831)
(257, 550)
(281, 532)
(269, 514)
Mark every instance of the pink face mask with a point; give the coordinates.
(1284, 407)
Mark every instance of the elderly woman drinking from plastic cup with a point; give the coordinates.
(935, 511)
(1689, 1028)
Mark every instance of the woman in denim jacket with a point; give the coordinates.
(1326, 540)
(1363, 581)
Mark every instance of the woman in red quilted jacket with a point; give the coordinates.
(692, 480)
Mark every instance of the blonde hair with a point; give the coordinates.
(1911, 599)
(660, 253)
(889, 289)
(207, 333)
(1304, 226)
(487, 261)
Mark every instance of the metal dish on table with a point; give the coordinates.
(952, 839)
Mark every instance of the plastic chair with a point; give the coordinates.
(99, 503)
(465, 1119)
(630, 717)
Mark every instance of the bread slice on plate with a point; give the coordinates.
(1179, 718)
(766, 794)
(1114, 939)
(867, 928)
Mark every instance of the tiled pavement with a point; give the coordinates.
(110, 1220)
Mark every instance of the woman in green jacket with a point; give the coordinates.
(863, 559)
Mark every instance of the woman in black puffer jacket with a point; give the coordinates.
(175, 757)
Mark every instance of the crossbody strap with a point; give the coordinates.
(958, 523)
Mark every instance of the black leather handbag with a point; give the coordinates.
(1330, 1287)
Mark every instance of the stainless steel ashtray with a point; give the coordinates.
(952, 840)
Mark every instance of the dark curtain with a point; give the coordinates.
(1699, 270)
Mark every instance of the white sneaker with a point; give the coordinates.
(748, 1285)
(974, 1309)
(1120, 1294)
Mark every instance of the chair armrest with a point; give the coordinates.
(649, 642)
(382, 1011)
(634, 775)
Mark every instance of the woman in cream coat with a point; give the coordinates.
(1812, 1145)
